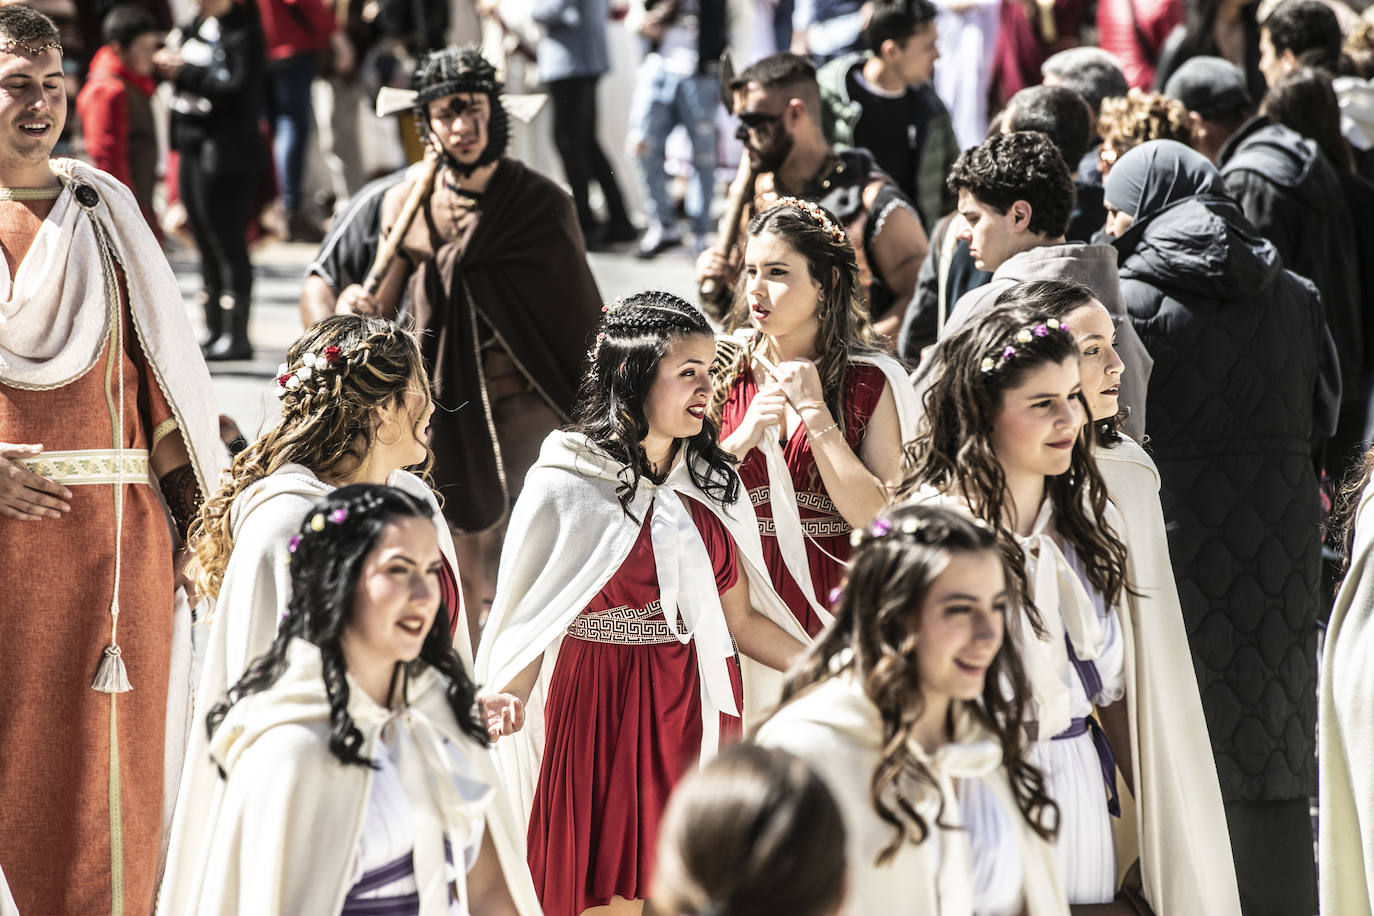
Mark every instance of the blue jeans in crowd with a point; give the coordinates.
(290, 113)
(663, 100)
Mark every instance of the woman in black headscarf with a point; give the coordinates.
(1244, 383)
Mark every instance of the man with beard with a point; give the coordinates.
(779, 107)
(503, 300)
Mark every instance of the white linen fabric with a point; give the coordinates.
(837, 729)
(242, 624)
(1185, 848)
(1346, 707)
(287, 819)
(55, 311)
(569, 537)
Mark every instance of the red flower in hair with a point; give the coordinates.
(281, 379)
(331, 354)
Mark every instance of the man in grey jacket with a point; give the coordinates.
(1016, 195)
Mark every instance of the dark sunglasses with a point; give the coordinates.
(753, 120)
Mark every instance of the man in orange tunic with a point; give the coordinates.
(104, 401)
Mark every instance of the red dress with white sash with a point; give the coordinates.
(623, 723)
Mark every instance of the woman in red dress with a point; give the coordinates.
(637, 563)
(809, 402)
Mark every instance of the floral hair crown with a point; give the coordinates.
(313, 368)
(1023, 336)
(909, 526)
(828, 226)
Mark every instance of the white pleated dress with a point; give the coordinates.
(1085, 847)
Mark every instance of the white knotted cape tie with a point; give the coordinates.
(1065, 608)
(439, 810)
(687, 591)
(787, 523)
(972, 760)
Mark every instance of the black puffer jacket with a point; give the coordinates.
(1240, 351)
(1290, 193)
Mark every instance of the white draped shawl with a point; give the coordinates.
(568, 536)
(1345, 699)
(242, 624)
(837, 729)
(1185, 850)
(286, 822)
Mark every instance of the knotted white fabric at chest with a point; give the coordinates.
(1065, 608)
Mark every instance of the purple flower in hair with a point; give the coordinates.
(1064, 326)
(292, 544)
(338, 515)
(881, 527)
(1008, 353)
(835, 596)
(1040, 330)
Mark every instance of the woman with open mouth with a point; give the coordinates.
(809, 402)
(354, 771)
(911, 708)
(633, 570)
(1003, 437)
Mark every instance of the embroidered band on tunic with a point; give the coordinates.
(626, 626)
(835, 526)
(91, 466)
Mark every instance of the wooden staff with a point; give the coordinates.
(386, 251)
(712, 292)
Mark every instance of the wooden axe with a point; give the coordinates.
(713, 293)
(386, 251)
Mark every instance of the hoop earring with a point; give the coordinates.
(383, 442)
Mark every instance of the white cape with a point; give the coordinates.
(1345, 703)
(243, 622)
(568, 537)
(286, 822)
(837, 729)
(1185, 848)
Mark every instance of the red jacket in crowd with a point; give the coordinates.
(117, 125)
(1137, 49)
(294, 27)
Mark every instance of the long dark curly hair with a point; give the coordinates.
(325, 567)
(874, 636)
(844, 327)
(953, 451)
(634, 336)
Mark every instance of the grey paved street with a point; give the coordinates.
(242, 387)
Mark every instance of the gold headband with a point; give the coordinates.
(10, 46)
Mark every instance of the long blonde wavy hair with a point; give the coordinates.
(844, 326)
(328, 428)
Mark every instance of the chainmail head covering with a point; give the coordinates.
(452, 70)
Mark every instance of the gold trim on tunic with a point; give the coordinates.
(626, 626)
(91, 466)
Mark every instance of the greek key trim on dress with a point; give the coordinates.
(835, 526)
(91, 466)
(626, 626)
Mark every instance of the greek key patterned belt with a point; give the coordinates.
(91, 466)
(626, 626)
(835, 526)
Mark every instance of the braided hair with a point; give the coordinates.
(328, 420)
(327, 557)
(634, 336)
(844, 331)
(449, 71)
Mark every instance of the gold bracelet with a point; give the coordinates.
(814, 436)
(805, 405)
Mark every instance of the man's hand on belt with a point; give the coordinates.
(24, 495)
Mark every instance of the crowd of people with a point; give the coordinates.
(962, 552)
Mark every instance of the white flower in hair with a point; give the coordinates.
(304, 373)
(293, 382)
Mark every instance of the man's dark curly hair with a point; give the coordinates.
(1025, 165)
(25, 26)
